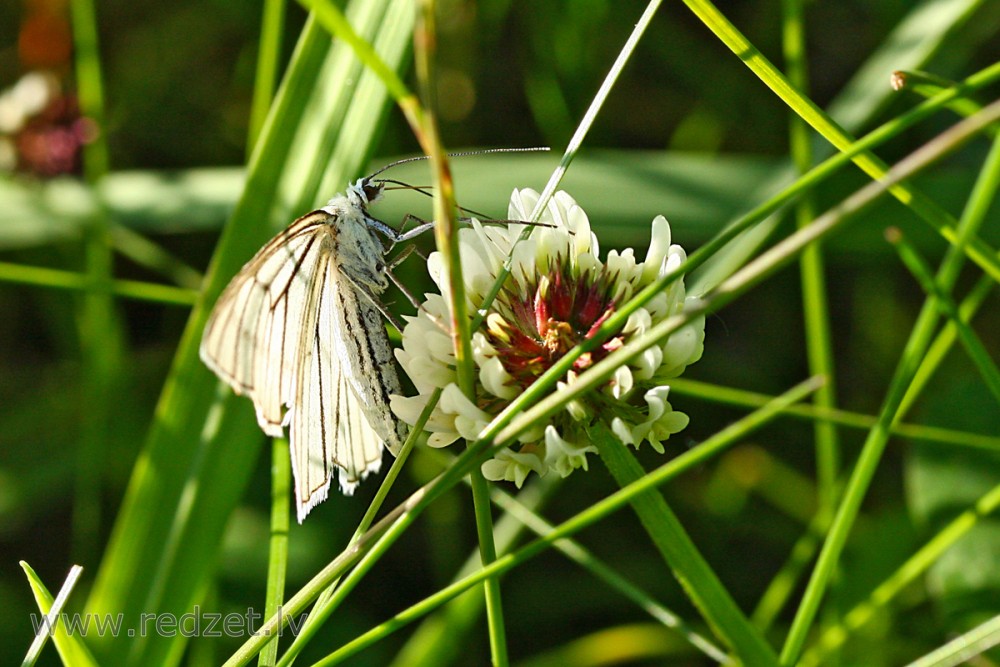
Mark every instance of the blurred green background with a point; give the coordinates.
(688, 132)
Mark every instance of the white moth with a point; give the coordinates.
(301, 327)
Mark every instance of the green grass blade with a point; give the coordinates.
(682, 556)
(854, 420)
(915, 567)
(277, 559)
(70, 280)
(963, 648)
(819, 346)
(670, 470)
(268, 58)
(100, 329)
(973, 344)
(874, 445)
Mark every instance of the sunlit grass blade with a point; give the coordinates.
(963, 648)
(72, 650)
(847, 418)
(980, 200)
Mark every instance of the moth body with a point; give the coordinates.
(299, 330)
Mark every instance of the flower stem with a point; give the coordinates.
(446, 235)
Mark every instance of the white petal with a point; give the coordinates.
(659, 246)
(622, 431)
(513, 466)
(469, 420)
(564, 457)
(621, 382)
(496, 380)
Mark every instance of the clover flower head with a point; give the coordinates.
(558, 294)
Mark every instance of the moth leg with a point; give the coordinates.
(401, 257)
(402, 237)
(406, 292)
(367, 293)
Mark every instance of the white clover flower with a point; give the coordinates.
(558, 294)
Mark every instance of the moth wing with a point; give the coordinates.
(358, 450)
(368, 360)
(315, 411)
(329, 425)
(253, 336)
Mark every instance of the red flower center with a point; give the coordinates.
(549, 319)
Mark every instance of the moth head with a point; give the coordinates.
(363, 192)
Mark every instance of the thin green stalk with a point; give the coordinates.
(277, 557)
(268, 58)
(707, 450)
(131, 289)
(874, 445)
(978, 205)
(575, 142)
(446, 236)
(963, 648)
(973, 345)
(322, 609)
(914, 567)
(945, 339)
(819, 346)
(100, 331)
(927, 209)
(750, 399)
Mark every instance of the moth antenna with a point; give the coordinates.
(532, 149)
(424, 190)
